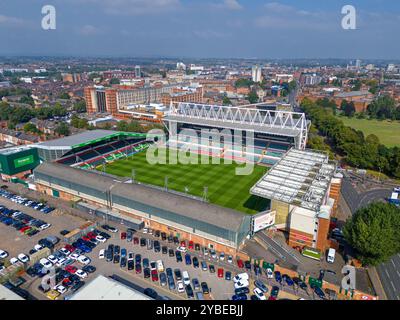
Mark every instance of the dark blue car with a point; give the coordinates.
(238, 297)
(278, 276)
(188, 259)
(288, 280)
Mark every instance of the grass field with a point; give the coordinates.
(224, 187)
(388, 132)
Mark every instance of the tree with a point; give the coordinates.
(226, 101)
(80, 106)
(114, 81)
(252, 97)
(30, 127)
(63, 129)
(292, 85)
(28, 100)
(348, 108)
(374, 232)
(64, 95)
(240, 83)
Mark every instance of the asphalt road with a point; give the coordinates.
(356, 201)
(389, 274)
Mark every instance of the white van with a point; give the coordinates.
(185, 277)
(331, 255)
(160, 266)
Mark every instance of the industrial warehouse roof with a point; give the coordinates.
(202, 211)
(301, 178)
(103, 288)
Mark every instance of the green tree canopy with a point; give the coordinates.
(80, 106)
(374, 232)
(63, 129)
(114, 81)
(226, 101)
(30, 127)
(252, 97)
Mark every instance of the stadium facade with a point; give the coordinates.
(202, 222)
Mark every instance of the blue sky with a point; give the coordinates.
(206, 28)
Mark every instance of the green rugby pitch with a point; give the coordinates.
(225, 188)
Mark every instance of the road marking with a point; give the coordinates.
(394, 288)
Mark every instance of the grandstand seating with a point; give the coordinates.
(94, 156)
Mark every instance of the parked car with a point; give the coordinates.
(259, 293)
(259, 284)
(204, 288)
(109, 228)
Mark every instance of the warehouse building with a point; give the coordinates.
(180, 215)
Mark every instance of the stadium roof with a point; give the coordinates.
(276, 122)
(103, 288)
(77, 139)
(301, 178)
(83, 139)
(155, 197)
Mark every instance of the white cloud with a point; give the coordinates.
(135, 7)
(283, 16)
(12, 21)
(89, 30)
(228, 5)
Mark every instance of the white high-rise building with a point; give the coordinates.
(256, 73)
(138, 72)
(358, 63)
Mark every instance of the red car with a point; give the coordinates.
(91, 235)
(23, 229)
(86, 238)
(183, 243)
(70, 248)
(138, 268)
(66, 282)
(271, 298)
(71, 269)
(154, 275)
(123, 235)
(191, 245)
(240, 263)
(220, 273)
(135, 240)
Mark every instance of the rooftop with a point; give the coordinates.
(103, 288)
(301, 178)
(7, 294)
(77, 139)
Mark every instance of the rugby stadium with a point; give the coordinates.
(108, 174)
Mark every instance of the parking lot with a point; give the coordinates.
(220, 288)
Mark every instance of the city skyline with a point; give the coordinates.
(193, 29)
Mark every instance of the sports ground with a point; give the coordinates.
(386, 131)
(225, 188)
